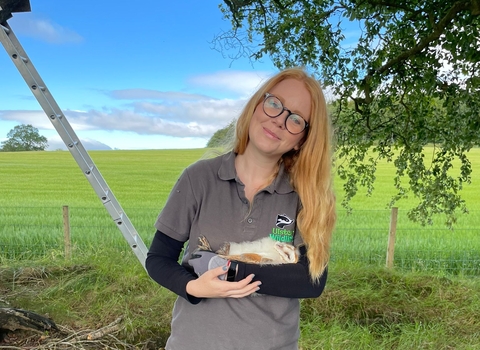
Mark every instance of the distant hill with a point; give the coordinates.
(89, 144)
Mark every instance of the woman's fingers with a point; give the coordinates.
(244, 287)
(209, 285)
(240, 293)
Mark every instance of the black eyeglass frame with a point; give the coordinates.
(267, 95)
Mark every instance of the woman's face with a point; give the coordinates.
(268, 135)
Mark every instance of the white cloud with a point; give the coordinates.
(38, 119)
(202, 111)
(31, 25)
(156, 113)
(139, 123)
(243, 83)
(180, 118)
(147, 94)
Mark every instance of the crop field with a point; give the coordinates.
(34, 187)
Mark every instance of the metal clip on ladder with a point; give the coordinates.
(61, 124)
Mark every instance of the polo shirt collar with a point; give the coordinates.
(227, 172)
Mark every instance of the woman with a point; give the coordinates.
(276, 182)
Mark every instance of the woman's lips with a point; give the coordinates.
(271, 133)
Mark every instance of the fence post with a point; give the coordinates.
(391, 237)
(66, 232)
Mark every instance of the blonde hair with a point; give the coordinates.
(309, 168)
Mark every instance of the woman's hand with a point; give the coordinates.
(209, 285)
(204, 260)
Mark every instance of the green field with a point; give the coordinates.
(429, 301)
(36, 185)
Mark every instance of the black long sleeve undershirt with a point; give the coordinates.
(163, 267)
(285, 280)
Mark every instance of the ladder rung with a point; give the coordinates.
(55, 116)
(105, 197)
(24, 59)
(89, 170)
(35, 87)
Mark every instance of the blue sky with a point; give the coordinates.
(128, 77)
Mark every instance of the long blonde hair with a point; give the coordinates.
(309, 168)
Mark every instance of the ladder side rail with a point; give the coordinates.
(73, 143)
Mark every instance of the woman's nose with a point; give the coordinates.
(280, 120)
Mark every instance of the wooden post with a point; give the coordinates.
(66, 233)
(391, 237)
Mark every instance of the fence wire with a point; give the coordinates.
(30, 233)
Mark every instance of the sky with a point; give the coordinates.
(126, 76)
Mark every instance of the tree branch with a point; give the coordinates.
(439, 29)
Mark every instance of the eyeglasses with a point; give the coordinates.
(273, 107)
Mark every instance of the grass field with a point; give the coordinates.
(427, 302)
(35, 186)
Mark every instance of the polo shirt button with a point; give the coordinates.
(250, 220)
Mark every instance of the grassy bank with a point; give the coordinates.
(361, 308)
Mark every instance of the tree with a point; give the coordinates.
(24, 138)
(410, 79)
(222, 137)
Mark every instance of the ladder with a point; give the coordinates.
(64, 129)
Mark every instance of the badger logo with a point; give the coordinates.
(283, 220)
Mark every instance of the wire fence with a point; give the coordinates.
(363, 237)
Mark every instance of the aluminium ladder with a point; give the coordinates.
(64, 129)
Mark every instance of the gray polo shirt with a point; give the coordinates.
(209, 200)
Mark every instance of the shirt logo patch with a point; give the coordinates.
(283, 220)
(279, 232)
